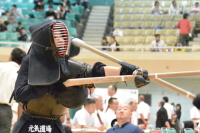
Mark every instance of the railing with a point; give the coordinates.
(26, 45)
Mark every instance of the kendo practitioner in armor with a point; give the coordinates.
(39, 86)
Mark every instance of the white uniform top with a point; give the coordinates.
(8, 76)
(170, 110)
(109, 115)
(82, 117)
(134, 119)
(194, 113)
(101, 115)
(160, 44)
(173, 11)
(143, 108)
(105, 101)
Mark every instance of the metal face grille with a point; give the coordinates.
(61, 37)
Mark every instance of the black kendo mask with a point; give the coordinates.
(48, 52)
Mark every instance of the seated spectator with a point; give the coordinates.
(196, 9)
(3, 18)
(67, 126)
(17, 12)
(12, 20)
(173, 10)
(156, 9)
(104, 42)
(39, 5)
(61, 12)
(23, 36)
(110, 111)
(123, 114)
(3, 27)
(113, 44)
(18, 28)
(67, 6)
(85, 118)
(157, 43)
(50, 14)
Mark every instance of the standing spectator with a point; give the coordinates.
(39, 5)
(162, 118)
(23, 36)
(112, 90)
(17, 12)
(173, 10)
(61, 12)
(12, 20)
(133, 105)
(156, 9)
(113, 44)
(195, 116)
(110, 112)
(50, 14)
(3, 27)
(85, 118)
(3, 18)
(170, 111)
(196, 9)
(143, 111)
(185, 26)
(8, 72)
(157, 45)
(91, 92)
(178, 111)
(99, 114)
(123, 115)
(134, 120)
(85, 4)
(18, 28)
(104, 42)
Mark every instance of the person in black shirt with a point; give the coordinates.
(178, 111)
(23, 36)
(3, 27)
(19, 28)
(162, 118)
(39, 5)
(50, 14)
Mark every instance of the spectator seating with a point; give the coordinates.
(135, 20)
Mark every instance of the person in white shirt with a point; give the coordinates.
(157, 43)
(112, 90)
(173, 10)
(110, 112)
(134, 118)
(195, 116)
(91, 92)
(113, 44)
(156, 9)
(133, 104)
(98, 112)
(143, 111)
(17, 12)
(196, 9)
(85, 118)
(8, 72)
